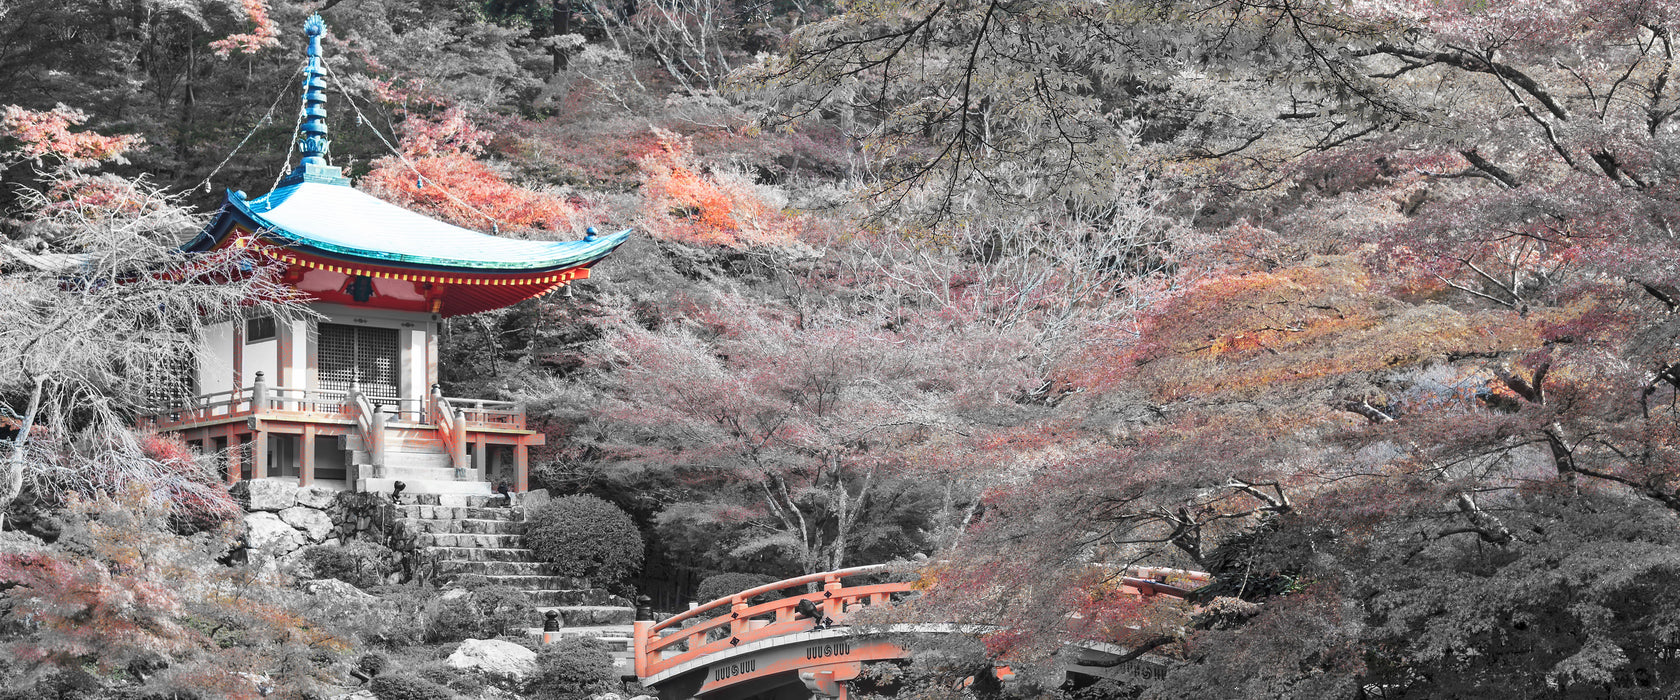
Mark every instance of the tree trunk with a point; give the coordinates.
(562, 26)
(12, 485)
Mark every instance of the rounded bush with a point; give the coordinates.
(401, 686)
(585, 537)
(373, 663)
(485, 613)
(572, 669)
(360, 564)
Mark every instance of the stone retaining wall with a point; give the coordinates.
(283, 518)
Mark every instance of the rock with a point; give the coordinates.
(314, 524)
(267, 533)
(16, 542)
(534, 499)
(334, 588)
(493, 657)
(265, 494)
(453, 593)
(316, 497)
(363, 694)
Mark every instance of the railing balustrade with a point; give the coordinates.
(662, 646)
(688, 636)
(452, 427)
(316, 403)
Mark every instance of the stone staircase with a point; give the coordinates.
(462, 540)
(414, 456)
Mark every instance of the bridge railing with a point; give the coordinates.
(665, 645)
(692, 635)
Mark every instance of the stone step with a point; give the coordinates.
(616, 637)
(534, 583)
(416, 490)
(457, 567)
(474, 555)
(592, 615)
(577, 598)
(468, 526)
(414, 511)
(461, 499)
(405, 472)
(468, 540)
(414, 441)
(418, 460)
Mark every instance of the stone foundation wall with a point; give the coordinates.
(281, 519)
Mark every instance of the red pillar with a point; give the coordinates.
(259, 454)
(306, 461)
(230, 455)
(521, 467)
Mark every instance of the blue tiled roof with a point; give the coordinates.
(340, 221)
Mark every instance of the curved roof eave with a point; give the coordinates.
(496, 253)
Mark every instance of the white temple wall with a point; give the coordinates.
(294, 334)
(261, 356)
(215, 369)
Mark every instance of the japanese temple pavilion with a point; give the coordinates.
(350, 397)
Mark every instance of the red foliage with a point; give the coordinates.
(193, 497)
(133, 590)
(440, 175)
(264, 32)
(39, 136)
(682, 201)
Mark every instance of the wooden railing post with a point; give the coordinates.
(458, 430)
(737, 624)
(259, 395)
(639, 646)
(831, 604)
(377, 449)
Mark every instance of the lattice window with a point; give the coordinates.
(171, 382)
(354, 353)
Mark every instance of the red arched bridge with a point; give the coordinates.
(802, 646)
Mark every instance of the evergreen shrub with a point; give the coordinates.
(585, 537)
(373, 663)
(573, 668)
(485, 613)
(360, 564)
(720, 585)
(402, 686)
(463, 682)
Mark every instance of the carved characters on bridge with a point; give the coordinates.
(838, 647)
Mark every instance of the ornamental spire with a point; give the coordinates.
(312, 136)
(313, 142)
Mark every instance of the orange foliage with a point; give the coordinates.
(264, 32)
(97, 197)
(40, 136)
(448, 182)
(1246, 332)
(683, 202)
